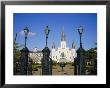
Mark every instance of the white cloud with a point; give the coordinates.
(21, 32)
(30, 33)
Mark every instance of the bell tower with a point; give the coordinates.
(63, 39)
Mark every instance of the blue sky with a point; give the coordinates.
(36, 22)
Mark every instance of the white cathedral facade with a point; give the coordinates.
(63, 53)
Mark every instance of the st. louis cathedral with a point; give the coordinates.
(63, 53)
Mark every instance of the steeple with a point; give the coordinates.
(73, 46)
(53, 45)
(63, 37)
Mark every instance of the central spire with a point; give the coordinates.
(63, 37)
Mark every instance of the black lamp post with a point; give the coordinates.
(80, 60)
(80, 31)
(46, 61)
(24, 55)
(26, 31)
(46, 33)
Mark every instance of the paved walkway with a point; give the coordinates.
(68, 70)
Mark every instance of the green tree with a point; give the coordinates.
(91, 55)
(16, 51)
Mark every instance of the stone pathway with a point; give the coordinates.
(68, 70)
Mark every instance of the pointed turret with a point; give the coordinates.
(63, 37)
(53, 45)
(73, 46)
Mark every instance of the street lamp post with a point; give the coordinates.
(24, 55)
(46, 33)
(80, 60)
(80, 31)
(26, 31)
(46, 60)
